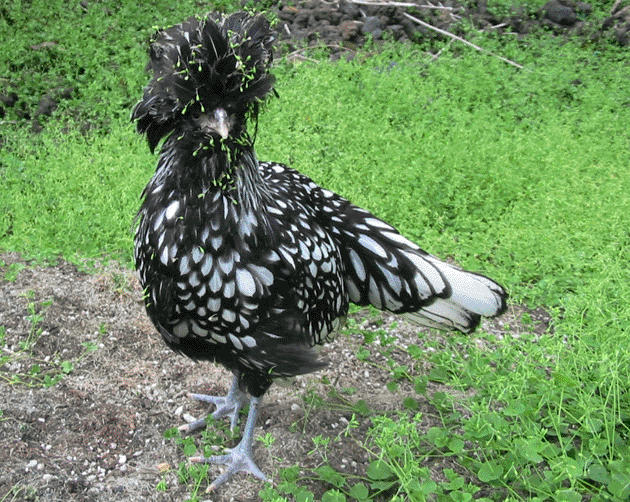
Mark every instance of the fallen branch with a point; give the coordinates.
(399, 4)
(448, 34)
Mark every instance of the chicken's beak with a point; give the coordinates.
(221, 123)
(216, 122)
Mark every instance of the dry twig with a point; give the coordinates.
(448, 34)
(378, 3)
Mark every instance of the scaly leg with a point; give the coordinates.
(239, 458)
(228, 406)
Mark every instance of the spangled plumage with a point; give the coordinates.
(251, 264)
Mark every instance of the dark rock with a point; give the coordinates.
(622, 34)
(609, 22)
(349, 29)
(584, 8)
(331, 34)
(9, 99)
(301, 19)
(397, 30)
(299, 35)
(559, 14)
(36, 127)
(287, 13)
(349, 8)
(22, 112)
(372, 25)
(370, 10)
(66, 93)
(322, 13)
(517, 25)
(47, 105)
(410, 29)
(335, 17)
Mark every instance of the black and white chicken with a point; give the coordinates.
(251, 264)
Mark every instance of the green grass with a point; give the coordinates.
(98, 51)
(523, 175)
(76, 196)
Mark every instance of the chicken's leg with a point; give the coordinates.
(227, 406)
(239, 458)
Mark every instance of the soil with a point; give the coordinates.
(85, 407)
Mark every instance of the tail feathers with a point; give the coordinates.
(445, 315)
(473, 292)
(472, 296)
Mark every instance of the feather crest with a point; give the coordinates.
(203, 62)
